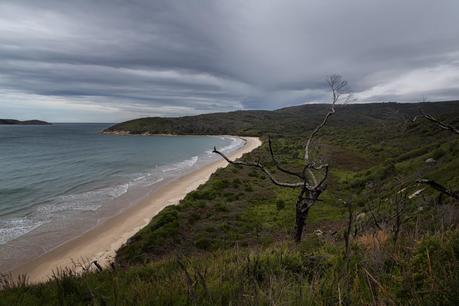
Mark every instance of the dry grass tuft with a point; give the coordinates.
(9, 281)
(374, 241)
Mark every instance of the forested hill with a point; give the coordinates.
(26, 122)
(378, 235)
(285, 121)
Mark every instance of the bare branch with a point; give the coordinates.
(278, 166)
(260, 166)
(310, 186)
(316, 130)
(373, 216)
(439, 187)
(98, 266)
(320, 185)
(439, 123)
(313, 166)
(337, 86)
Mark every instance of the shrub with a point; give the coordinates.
(280, 204)
(203, 244)
(438, 153)
(168, 215)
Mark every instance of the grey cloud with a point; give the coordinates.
(171, 57)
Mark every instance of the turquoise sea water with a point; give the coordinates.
(60, 180)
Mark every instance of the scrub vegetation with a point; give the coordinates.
(377, 235)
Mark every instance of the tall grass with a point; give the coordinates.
(422, 272)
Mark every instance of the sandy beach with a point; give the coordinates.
(101, 242)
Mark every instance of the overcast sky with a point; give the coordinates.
(108, 61)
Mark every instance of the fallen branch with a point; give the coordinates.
(439, 187)
(439, 123)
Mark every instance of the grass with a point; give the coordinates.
(229, 242)
(311, 273)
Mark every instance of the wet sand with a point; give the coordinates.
(101, 242)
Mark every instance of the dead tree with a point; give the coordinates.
(347, 234)
(311, 181)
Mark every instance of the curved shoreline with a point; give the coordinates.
(102, 242)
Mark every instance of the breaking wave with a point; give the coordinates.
(181, 165)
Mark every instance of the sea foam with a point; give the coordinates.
(73, 175)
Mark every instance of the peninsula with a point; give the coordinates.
(25, 122)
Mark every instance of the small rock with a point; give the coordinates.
(318, 232)
(370, 185)
(430, 161)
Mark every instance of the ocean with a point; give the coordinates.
(59, 181)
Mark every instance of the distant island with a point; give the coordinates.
(26, 122)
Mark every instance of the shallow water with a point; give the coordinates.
(58, 181)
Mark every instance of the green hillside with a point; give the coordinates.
(230, 242)
(297, 120)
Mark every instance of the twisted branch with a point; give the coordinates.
(278, 166)
(439, 187)
(338, 86)
(321, 184)
(317, 129)
(439, 123)
(309, 193)
(260, 166)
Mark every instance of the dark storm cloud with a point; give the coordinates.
(114, 60)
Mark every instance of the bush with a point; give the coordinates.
(248, 188)
(438, 153)
(168, 215)
(280, 204)
(203, 244)
(203, 195)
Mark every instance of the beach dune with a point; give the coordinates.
(101, 242)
